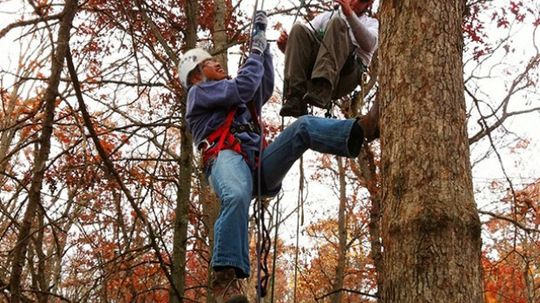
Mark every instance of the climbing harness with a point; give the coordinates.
(224, 136)
(219, 140)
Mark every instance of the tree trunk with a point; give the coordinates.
(184, 179)
(342, 234)
(219, 33)
(211, 204)
(42, 154)
(365, 169)
(430, 224)
(211, 209)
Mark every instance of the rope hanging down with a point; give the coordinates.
(263, 235)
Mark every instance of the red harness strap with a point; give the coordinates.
(221, 139)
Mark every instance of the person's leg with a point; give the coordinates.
(349, 78)
(231, 179)
(300, 54)
(336, 47)
(338, 137)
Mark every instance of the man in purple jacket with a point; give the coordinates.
(231, 173)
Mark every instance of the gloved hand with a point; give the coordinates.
(258, 42)
(261, 21)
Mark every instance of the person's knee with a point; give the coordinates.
(236, 199)
(298, 30)
(303, 121)
(302, 127)
(337, 23)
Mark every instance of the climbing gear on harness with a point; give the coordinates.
(220, 139)
(223, 137)
(243, 128)
(189, 61)
(227, 288)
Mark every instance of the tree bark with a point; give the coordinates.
(211, 208)
(430, 226)
(219, 32)
(211, 204)
(184, 179)
(42, 154)
(342, 235)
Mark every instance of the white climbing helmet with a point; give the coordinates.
(189, 62)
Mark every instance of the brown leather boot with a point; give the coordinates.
(370, 123)
(319, 92)
(227, 287)
(294, 107)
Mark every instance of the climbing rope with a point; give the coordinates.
(274, 257)
(263, 243)
(299, 222)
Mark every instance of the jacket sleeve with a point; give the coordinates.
(267, 84)
(249, 78)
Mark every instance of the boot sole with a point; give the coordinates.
(291, 113)
(315, 101)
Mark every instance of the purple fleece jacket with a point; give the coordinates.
(209, 102)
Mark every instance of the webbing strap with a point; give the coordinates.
(223, 129)
(221, 134)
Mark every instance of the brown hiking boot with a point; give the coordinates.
(293, 107)
(227, 287)
(319, 92)
(370, 123)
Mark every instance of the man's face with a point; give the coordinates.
(212, 70)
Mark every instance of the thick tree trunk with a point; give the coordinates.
(430, 227)
(42, 154)
(178, 271)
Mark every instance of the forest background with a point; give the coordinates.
(103, 200)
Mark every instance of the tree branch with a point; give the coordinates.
(11, 26)
(510, 220)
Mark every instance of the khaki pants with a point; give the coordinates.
(306, 58)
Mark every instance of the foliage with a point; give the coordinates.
(90, 244)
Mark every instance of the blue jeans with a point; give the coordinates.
(233, 180)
